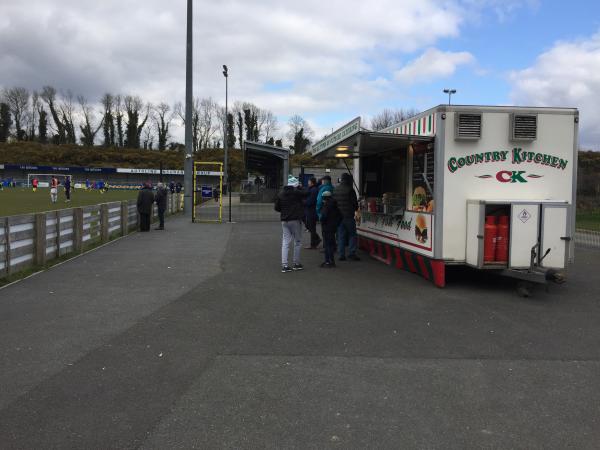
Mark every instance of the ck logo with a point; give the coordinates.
(511, 176)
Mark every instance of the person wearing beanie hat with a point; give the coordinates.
(325, 187)
(289, 204)
(345, 196)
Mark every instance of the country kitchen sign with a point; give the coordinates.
(516, 156)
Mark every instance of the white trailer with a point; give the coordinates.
(427, 185)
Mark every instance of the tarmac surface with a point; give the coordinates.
(192, 338)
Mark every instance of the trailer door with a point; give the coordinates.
(554, 235)
(475, 222)
(524, 233)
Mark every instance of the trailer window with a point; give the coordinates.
(422, 178)
(384, 180)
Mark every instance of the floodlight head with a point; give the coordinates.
(225, 71)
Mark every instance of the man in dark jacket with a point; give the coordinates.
(144, 205)
(289, 204)
(310, 213)
(331, 217)
(67, 185)
(161, 202)
(347, 202)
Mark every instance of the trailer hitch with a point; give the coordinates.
(532, 263)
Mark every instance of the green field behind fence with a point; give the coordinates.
(24, 201)
(589, 220)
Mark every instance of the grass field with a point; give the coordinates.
(589, 220)
(23, 201)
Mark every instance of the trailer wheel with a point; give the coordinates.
(525, 289)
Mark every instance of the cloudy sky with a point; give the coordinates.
(328, 61)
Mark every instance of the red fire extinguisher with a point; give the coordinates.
(502, 240)
(489, 239)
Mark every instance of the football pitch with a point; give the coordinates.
(24, 201)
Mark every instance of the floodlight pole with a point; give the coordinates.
(449, 92)
(189, 145)
(226, 140)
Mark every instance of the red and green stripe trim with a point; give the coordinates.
(430, 269)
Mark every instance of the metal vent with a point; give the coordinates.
(523, 127)
(468, 126)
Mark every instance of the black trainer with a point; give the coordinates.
(286, 269)
(298, 267)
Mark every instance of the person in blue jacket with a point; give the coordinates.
(325, 187)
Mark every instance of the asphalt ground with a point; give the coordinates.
(192, 338)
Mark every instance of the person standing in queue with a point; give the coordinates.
(289, 204)
(310, 213)
(144, 205)
(331, 218)
(68, 188)
(161, 202)
(325, 187)
(345, 195)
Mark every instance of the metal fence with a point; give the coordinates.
(243, 209)
(588, 220)
(35, 239)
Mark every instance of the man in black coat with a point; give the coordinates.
(144, 205)
(161, 202)
(331, 218)
(289, 203)
(345, 195)
(310, 213)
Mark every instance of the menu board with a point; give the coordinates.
(422, 178)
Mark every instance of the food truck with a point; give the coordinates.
(491, 187)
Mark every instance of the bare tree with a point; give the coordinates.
(34, 114)
(205, 121)
(49, 96)
(267, 124)
(162, 118)
(148, 135)
(88, 132)
(134, 106)
(67, 107)
(108, 120)
(208, 123)
(295, 124)
(17, 99)
(118, 103)
(389, 117)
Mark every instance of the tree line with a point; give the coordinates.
(127, 121)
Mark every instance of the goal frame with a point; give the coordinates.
(198, 166)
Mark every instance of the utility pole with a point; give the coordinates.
(226, 140)
(188, 176)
